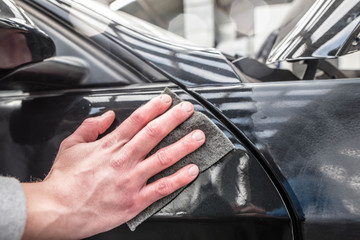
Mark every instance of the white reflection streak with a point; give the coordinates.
(269, 120)
(272, 120)
(339, 38)
(11, 104)
(203, 61)
(122, 98)
(351, 205)
(159, 42)
(318, 12)
(93, 26)
(133, 98)
(231, 95)
(266, 133)
(161, 60)
(339, 174)
(95, 110)
(354, 182)
(97, 99)
(264, 94)
(205, 73)
(242, 180)
(118, 4)
(242, 120)
(293, 39)
(336, 173)
(355, 153)
(240, 106)
(150, 47)
(308, 92)
(300, 50)
(335, 17)
(291, 104)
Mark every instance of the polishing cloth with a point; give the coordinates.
(216, 146)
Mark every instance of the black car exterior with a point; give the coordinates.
(293, 174)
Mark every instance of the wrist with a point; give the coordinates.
(42, 211)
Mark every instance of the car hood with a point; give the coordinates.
(318, 29)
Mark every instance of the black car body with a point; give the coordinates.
(293, 175)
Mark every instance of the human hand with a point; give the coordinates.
(96, 185)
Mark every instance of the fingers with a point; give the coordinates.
(156, 130)
(90, 129)
(169, 155)
(138, 119)
(165, 186)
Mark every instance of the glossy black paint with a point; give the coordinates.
(21, 41)
(234, 198)
(104, 68)
(308, 135)
(183, 63)
(293, 174)
(52, 73)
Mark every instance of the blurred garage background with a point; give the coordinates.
(235, 27)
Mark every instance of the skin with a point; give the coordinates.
(96, 185)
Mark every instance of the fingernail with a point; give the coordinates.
(198, 136)
(193, 171)
(186, 107)
(165, 98)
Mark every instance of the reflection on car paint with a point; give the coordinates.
(327, 30)
(226, 194)
(166, 61)
(309, 133)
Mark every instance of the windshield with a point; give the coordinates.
(133, 22)
(235, 27)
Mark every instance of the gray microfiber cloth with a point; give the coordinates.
(216, 146)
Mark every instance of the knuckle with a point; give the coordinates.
(116, 163)
(153, 130)
(163, 158)
(109, 142)
(125, 182)
(65, 143)
(90, 124)
(119, 161)
(163, 188)
(115, 139)
(178, 114)
(187, 143)
(138, 118)
(89, 121)
(129, 201)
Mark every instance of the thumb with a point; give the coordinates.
(89, 130)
